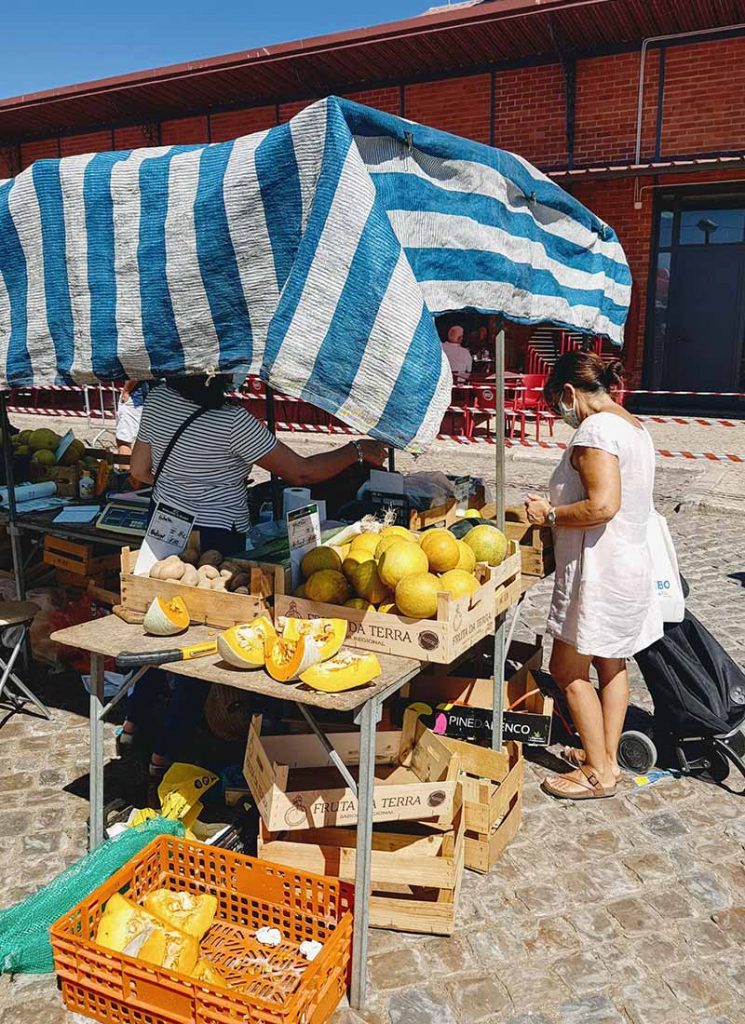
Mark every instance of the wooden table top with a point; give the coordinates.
(111, 636)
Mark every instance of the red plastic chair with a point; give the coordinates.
(530, 405)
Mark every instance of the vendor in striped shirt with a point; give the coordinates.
(207, 468)
(206, 473)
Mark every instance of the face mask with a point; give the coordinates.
(569, 414)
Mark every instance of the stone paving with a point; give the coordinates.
(626, 911)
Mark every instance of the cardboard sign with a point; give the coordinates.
(462, 492)
(167, 534)
(466, 723)
(303, 534)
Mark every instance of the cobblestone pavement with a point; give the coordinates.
(626, 911)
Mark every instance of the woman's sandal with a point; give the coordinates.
(588, 786)
(577, 758)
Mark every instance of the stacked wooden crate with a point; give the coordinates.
(308, 814)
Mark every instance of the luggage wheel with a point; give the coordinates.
(636, 752)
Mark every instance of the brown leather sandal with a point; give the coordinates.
(589, 786)
(577, 757)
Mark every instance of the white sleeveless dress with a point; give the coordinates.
(603, 602)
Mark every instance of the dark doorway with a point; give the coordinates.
(698, 311)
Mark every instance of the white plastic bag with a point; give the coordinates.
(665, 569)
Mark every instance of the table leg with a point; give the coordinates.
(499, 660)
(96, 742)
(367, 720)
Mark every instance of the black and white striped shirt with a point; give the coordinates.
(207, 468)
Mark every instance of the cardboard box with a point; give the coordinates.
(457, 627)
(296, 785)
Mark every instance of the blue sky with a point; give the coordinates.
(48, 43)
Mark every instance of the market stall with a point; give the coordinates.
(316, 255)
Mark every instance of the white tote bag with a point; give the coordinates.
(665, 568)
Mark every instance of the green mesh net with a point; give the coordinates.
(24, 928)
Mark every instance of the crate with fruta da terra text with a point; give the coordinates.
(297, 786)
(457, 626)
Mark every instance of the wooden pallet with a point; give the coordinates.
(416, 872)
(492, 784)
(536, 542)
(78, 557)
(296, 786)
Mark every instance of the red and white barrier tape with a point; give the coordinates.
(561, 446)
(81, 414)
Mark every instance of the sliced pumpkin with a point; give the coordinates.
(345, 671)
(243, 646)
(286, 659)
(166, 616)
(126, 928)
(208, 973)
(329, 633)
(186, 911)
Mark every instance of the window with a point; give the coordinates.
(711, 227)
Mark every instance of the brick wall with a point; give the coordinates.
(530, 114)
(388, 99)
(184, 131)
(606, 105)
(704, 108)
(233, 123)
(459, 105)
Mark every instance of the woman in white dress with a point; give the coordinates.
(604, 608)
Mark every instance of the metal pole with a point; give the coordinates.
(367, 720)
(13, 530)
(499, 484)
(391, 459)
(96, 837)
(271, 422)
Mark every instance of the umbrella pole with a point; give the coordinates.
(391, 459)
(499, 483)
(271, 422)
(15, 536)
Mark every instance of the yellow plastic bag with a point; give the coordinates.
(181, 789)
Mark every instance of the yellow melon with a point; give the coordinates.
(353, 559)
(459, 583)
(402, 559)
(320, 558)
(487, 543)
(466, 557)
(327, 586)
(368, 584)
(416, 596)
(441, 549)
(399, 531)
(359, 603)
(364, 542)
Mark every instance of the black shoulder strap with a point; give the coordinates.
(169, 447)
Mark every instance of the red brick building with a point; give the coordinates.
(635, 106)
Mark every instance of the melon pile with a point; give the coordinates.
(400, 572)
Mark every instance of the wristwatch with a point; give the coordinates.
(360, 453)
(551, 515)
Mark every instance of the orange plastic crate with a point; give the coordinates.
(251, 894)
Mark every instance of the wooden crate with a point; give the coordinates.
(492, 784)
(536, 542)
(416, 872)
(208, 607)
(296, 785)
(79, 557)
(457, 627)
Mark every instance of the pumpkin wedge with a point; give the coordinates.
(209, 974)
(243, 646)
(329, 633)
(186, 911)
(286, 659)
(345, 671)
(126, 928)
(166, 617)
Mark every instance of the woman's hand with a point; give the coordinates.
(537, 509)
(374, 453)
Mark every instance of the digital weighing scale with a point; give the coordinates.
(120, 516)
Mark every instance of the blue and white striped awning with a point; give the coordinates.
(316, 252)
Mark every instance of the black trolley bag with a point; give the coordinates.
(698, 693)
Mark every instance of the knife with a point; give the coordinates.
(128, 659)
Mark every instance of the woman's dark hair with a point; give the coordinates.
(584, 371)
(209, 392)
